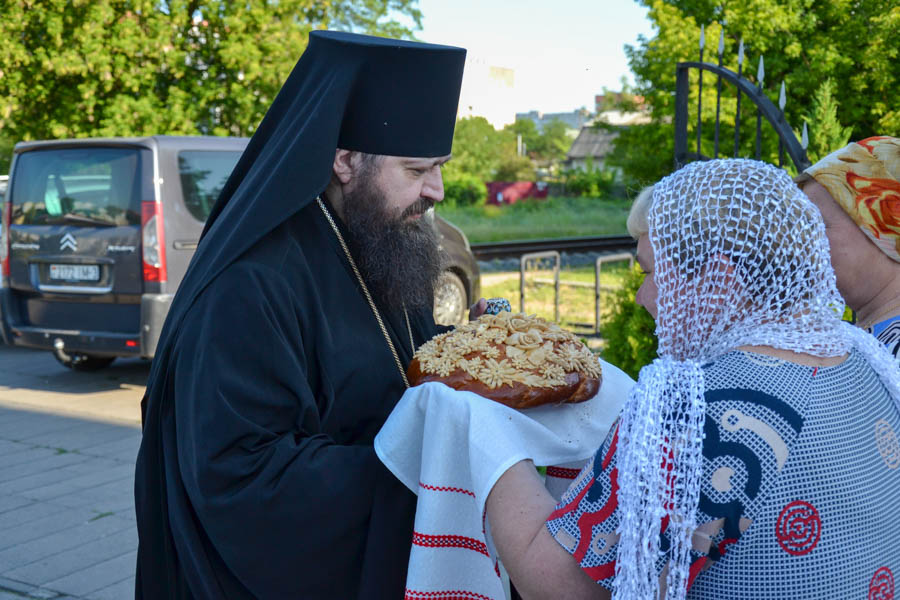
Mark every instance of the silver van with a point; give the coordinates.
(98, 233)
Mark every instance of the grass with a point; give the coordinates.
(535, 219)
(576, 303)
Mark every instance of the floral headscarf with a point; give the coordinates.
(864, 179)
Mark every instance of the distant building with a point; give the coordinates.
(593, 144)
(574, 120)
(590, 147)
(487, 91)
(618, 118)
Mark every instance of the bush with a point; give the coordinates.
(6, 148)
(589, 182)
(515, 168)
(464, 190)
(629, 331)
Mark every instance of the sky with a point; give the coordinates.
(563, 51)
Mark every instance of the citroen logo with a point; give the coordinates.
(68, 241)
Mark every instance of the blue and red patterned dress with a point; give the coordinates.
(888, 333)
(800, 496)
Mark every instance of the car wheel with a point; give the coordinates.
(451, 305)
(83, 362)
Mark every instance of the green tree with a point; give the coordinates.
(478, 149)
(76, 68)
(529, 132)
(6, 147)
(548, 145)
(514, 168)
(555, 141)
(826, 133)
(804, 43)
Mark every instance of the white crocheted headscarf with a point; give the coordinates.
(741, 259)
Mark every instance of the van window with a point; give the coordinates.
(203, 175)
(86, 185)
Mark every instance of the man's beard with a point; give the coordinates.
(399, 260)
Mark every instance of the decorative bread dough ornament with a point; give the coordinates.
(518, 360)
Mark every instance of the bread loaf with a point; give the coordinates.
(519, 360)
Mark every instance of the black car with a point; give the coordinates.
(98, 233)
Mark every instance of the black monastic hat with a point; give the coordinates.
(405, 97)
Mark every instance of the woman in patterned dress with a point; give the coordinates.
(758, 457)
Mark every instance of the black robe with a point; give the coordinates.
(257, 477)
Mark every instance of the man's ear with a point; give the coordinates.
(343, 165)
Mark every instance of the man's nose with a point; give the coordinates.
(434, 185)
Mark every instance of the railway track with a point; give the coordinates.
(600, 243)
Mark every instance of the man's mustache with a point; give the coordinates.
(417, 208)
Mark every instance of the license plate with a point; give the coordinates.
(75, 272)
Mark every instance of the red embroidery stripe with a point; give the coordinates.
(449, 541)
(437, 488)
(815, 370)
(445, 595)
(562, 472)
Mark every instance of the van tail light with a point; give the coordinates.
(6, 220)
(153, 242)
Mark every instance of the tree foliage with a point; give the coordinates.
(464, 190)
(548, 145)
(826, 133)
(77, 68)
(591, 181)
(478, 149)
(629, 331)
(804, 43)
(515, 168)
(489, 154)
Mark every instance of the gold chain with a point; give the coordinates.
(365, 290)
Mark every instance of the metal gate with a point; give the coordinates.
(765, 109)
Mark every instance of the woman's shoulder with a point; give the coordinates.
(751, 367)
(742, 380)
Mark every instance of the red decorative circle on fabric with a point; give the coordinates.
(882, 585)
(798, 528)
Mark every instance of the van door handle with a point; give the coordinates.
(184, 245)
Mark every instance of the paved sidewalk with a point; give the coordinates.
(67, 447)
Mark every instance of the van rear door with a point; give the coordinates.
(75, 236)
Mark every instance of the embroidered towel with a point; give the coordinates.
(450, 447)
